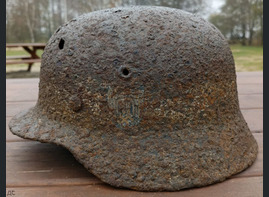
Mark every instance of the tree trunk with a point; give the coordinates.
(243, 34)
(51, 5)
(251, 31)
(65, 11)
(261, 18)
(250, 37)
(28, 21)
(60, 12)
(232, 34)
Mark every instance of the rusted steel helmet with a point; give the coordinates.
(144, 97)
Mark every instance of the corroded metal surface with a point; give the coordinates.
(144, 97)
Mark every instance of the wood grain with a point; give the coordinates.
(13, 108)
(239, 187)
(41, 164)
(245, 89)
(254, 101)
(19, 90)
(249, 77)
(254, 119)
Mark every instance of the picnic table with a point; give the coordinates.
(30, 48)
(40, 169)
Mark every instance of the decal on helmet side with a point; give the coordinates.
(126, 106)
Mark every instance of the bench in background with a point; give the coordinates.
(30, 48)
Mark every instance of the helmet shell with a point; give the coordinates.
(144, 97)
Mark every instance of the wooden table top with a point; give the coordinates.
(10, 45)
(40, 169)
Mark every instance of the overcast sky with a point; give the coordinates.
(214, 6)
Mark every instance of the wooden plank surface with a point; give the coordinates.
(39, 169)
(22, 90)
(27, 61)
(16, 107)
(18, 57)
(246, 89)
(238, 187)
(249, 78)
(42, 164)
(251, 101)
(254, 119)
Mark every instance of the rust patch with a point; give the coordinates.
(144, 97)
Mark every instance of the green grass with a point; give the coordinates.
(15, 52)
(248, 58)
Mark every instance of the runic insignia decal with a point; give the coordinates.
(126, 107)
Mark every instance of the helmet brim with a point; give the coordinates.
(152, 161)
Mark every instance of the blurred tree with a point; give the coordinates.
(258, 12)
(193, 6)
(226, 28)
(36, 20)
(240, 19)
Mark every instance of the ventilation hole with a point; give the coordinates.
(125, 71)
(61, 44)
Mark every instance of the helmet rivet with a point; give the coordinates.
(75, 103)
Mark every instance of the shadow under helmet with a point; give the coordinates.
(144, 97)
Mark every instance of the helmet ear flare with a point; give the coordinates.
(144, 97)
